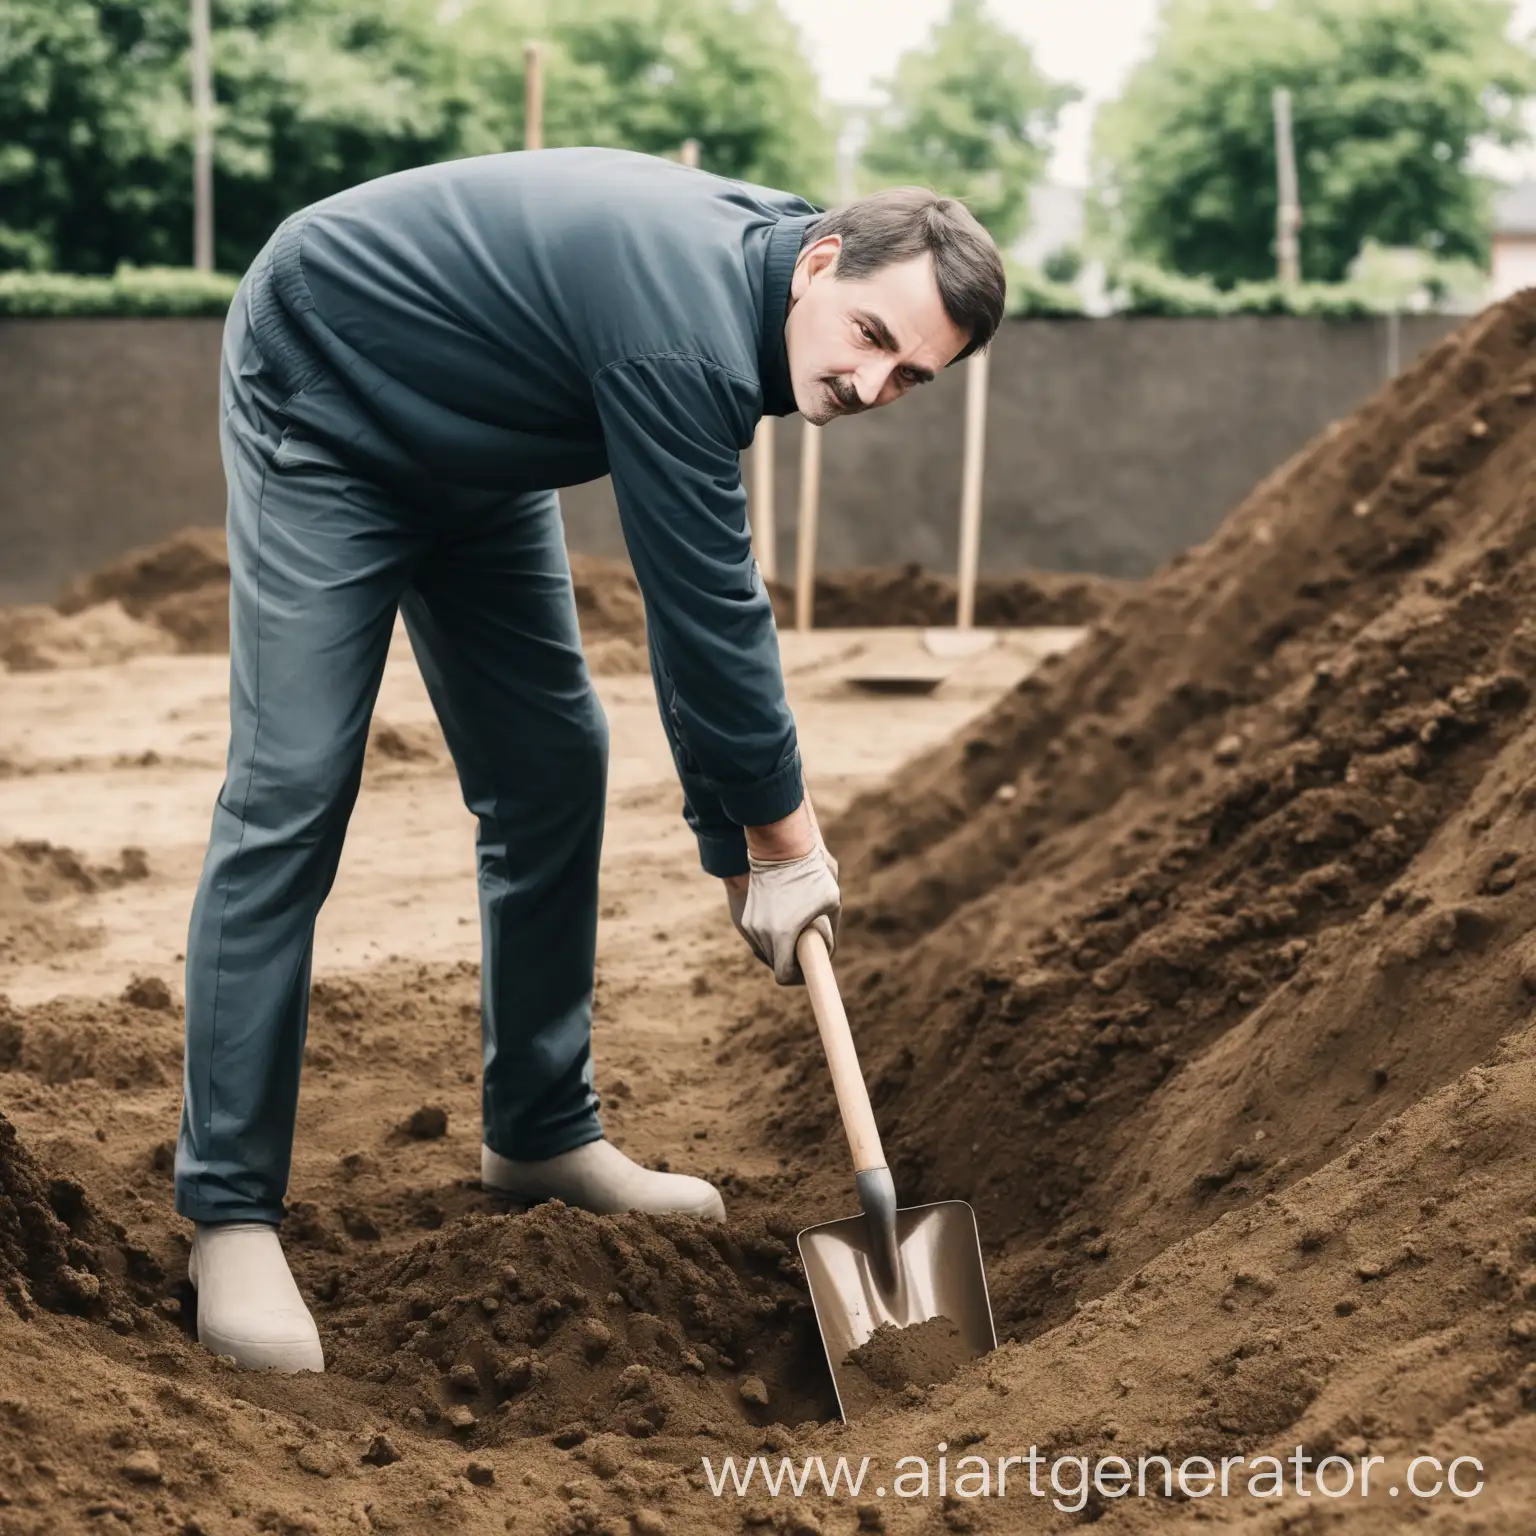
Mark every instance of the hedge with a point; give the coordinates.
(1135, 290)
(1033, 295)
(129, 291)
(1143, 290)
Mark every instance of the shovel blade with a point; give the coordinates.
(938, 1252)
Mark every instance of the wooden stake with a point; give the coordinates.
(976, 375)
(533, 97)
(805, 534)
(202, 145)
(764, 525)
(689, 154)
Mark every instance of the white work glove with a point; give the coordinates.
(782, 901)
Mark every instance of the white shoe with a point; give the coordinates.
(598, 1177)
(247, 1303)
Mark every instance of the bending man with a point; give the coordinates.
(411, 370)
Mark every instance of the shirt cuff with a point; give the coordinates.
(768, 800)
(723, 853)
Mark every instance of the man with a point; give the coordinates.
(411, 369)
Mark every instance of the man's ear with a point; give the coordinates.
(818, 257)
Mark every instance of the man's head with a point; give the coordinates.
(888, 290)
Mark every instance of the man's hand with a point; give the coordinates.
(792, 884)
(783, 900)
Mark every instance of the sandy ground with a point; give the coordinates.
(132, 755)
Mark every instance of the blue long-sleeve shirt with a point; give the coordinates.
(535, 320)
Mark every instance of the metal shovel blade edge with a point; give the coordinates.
(938, 1250)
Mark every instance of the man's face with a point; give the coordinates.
(855, 345)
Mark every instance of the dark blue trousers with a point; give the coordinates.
(321, 560)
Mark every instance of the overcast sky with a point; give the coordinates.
(1093, 43)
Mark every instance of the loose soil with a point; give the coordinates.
(907, 594)
(1202, 962)
(892, 1359)
(174, 597)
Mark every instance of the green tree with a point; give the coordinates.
(1063, 265)
(1388, 99)
(970, 115)
(312, 96)
(648, 74)
(96, 124)
(56, 94)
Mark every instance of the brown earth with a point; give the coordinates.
(174, 596)
(40, 891)
(1202, 963)
(892, 1359)
(907, 594)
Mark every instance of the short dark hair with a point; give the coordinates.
(903, 223)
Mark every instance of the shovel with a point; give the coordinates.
(890, 1265)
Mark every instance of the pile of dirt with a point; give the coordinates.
(37, 638)
(1191, 910)
(174, 596)
(52, 1243)
(876, 596)
(40, 885)
(567, 1324)
(608, 601)
(180, 585)
(892, 1359)
(132, 1041)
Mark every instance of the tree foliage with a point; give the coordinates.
(1388, 99)
(96, 127)
(970, 115)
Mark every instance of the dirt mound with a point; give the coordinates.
(566, 1324)
(1188, 910)
(174, 596)
(51, 1242)
(608, 601)
(150, 580)
(909, 595)
(36, 638)
(1381, 1306)
(129, 1042)
(166, 597)
(893, 1358)
(40, 887)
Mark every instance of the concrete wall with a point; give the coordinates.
(1110, 443)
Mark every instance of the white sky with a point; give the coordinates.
(1093, 43)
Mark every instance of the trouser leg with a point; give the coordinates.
(492, 617)
(317, 563)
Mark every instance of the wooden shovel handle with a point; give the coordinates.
(837, 1042)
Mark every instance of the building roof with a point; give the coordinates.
(1514, 210)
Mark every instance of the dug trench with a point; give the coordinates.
(1203, 964)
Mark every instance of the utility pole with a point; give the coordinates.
(533, 97)
(202, 144)
(1288, 213)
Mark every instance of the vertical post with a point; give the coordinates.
(970, 486)
(805, 534)
(690, 152)
(533, 97)
(202, 143)
(764, 529)
(1288, 211)
(1394, 344)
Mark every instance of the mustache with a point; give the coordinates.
(846, 395)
